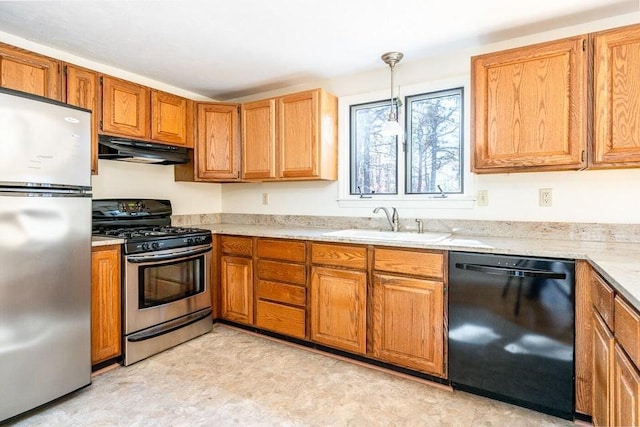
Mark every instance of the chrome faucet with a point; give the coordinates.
(393, 218)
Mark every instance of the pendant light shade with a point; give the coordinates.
(392, 127)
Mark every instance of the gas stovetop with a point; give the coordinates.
(144, 224)
(151, 231)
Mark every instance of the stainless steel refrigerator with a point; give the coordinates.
(45, 251)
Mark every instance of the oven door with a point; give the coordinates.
(165, 285)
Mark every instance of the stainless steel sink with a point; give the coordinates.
(399, 236)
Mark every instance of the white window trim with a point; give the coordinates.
(466, 200)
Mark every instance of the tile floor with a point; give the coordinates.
(233, 378)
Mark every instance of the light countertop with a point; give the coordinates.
(618, 263)
(105, 241)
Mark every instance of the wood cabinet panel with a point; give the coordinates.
(236, 293)
(583, 337)
(281, 318)
(529, 107)
(233, 245)
(616, 126)
(282, 292)
(81, 90)
(338, 308)
(30, 72)
(626, 390)
(298, 135)
(217, 147)
(171, 119)
(106, 324)
(125, 108)
(259, 140)
(282, 272)
(603, 351)
(285, 250)
(602, 296)
(627, 329)
(429, 264)
(348, 256)
(408, 322)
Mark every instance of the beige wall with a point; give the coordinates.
(583, 196)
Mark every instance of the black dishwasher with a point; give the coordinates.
(511, 329)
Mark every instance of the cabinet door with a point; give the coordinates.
(603, 350)
(529, 108)
(259, 140)
(125, 108)
(408, 322)
(338, 309)
(29, 72)
(171, 119)
(626, 390)
(236, 291)
(81, 87)
(216, 146)
(105, 304)
(616, 139)
(298, 135)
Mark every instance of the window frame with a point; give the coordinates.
(352, 160)
(407, 145)
(464, 200)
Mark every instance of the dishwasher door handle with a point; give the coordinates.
(511, 271)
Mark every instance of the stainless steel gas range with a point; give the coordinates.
(166, 274)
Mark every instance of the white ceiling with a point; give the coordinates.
(227, 49)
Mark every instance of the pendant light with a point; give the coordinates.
(392, 127)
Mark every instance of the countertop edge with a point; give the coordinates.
(618, 263)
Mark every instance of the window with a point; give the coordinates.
(431, 160)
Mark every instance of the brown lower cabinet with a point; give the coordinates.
(408, 309)
(383, 303)
(236, 278)
(616, 354)
(281, 293)
(338, 308)
(106, 325)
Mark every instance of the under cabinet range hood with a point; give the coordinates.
(131, 150)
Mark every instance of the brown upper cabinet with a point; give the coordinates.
(216, 150)
(125, 108)
(259, 140)
(30, 72)
(529, 108)
(171, 119)
(291, 137)
(81, 90)
(616, 140)
(136, 111)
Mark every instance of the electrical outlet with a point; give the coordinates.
(544, 197)
(483, 198)
(265, 198)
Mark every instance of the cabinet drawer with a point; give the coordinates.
(285, 250)
(282, 272)
(282, 292)
(430, 264)
(627, 329)
(353, 257)
(602, 296)
(281, 318)
(236, 245)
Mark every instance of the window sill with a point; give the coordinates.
(421, 203)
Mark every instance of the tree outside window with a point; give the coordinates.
(433, 160)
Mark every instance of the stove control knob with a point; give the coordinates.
(190, 240)
(145, 246)
(155, 245)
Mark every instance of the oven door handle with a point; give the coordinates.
(170, 326)
(176, 254)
